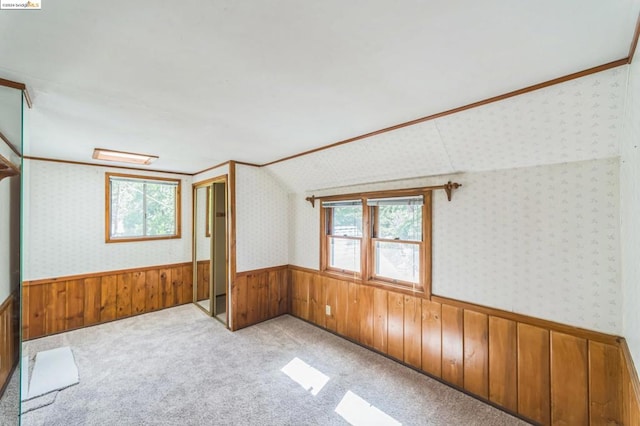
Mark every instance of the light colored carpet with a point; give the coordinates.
(180, 367)
(10, 400)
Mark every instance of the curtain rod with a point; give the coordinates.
(448, 188)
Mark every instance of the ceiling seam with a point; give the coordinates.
(444, 146)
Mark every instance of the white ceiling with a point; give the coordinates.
(199, 83)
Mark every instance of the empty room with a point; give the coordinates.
(319, 213)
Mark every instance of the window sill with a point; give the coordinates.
(417, 291)
(140, 239)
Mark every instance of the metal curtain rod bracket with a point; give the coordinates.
(448, 188)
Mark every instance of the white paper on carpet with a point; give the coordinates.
(54, 369)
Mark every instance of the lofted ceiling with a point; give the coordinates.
(199, 83)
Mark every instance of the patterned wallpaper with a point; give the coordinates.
(304, 229)
(261, 220)
(540, 241)
(630, 212)
(65, 216)
(578, 120)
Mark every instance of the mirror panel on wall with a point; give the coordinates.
(11, 141)
(210, 248)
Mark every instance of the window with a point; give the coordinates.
(142, 208)
(382, 238)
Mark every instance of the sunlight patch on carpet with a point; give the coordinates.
(305, 375)
(359, 412)
(54, 369)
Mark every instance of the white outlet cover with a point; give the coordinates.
(328, 309)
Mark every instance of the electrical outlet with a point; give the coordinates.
(328, 309)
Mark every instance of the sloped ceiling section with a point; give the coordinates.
(574, 121)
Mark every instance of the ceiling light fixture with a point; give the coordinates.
(123, 157)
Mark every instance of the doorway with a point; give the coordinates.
(210, 248)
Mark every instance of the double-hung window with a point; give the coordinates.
(382, 238)
(344, 235)
(141, 208)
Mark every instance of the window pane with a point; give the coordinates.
(401, 222)
(161, 209)
(347, 221)
(398, 261)
(344, 254)
(127, 214)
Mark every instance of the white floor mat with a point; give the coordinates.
(53, 370)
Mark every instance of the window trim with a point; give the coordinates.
(110, 239)
(367, 274)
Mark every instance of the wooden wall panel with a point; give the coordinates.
(9, 339)
(503, 363)
(138, 292)
(108, 298)
(452, 345)
(239, 302)
(342, 306)
(569, 380)
(499, 356)
(166, 288)
(605, 376)
(316, 301)
(152, 290)
(330, 299)
(74, 317)
(380, 320)
(476, 353)
(353, 313)
(177, 282)
(263, 294)
(395, 333)
(365, 307)
(413, 331)
(56, 305)
(533, 373)
(432, 337)
(92, 300)
(187, 283)
(123, 296)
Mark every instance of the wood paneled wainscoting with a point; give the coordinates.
(259, 295)
(545, 372)
(9, 343)
(55, 305)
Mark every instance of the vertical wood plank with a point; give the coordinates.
(138, 292)
(37, 310)
(108, 298)
(380, 320)
(342, 306)
(201, 280)
(177, 282)
(187, 284)
(476, 353)
(240, 301)
(74, 316)
(432, 337)
(92, 300)
(166, 288)
(452, 345)
(273, 305)
(252, 298)
(285, 292)
(365, 305)
(605, 377)
(25, 312)
(569, 380)
(533, 373)
(263, 296)
(503, 363)
(152, 290)
(123, 296)
(395, 333)
(56, 299)
(413, 331)
(330, 295)
(316, 301)
(353, 313)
